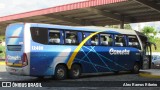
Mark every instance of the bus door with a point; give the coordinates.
(147, 56)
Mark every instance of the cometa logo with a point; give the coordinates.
(119, 52)
(13, 57)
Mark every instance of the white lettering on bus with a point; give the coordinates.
(119, 52)
(37, 47)
(13, 57)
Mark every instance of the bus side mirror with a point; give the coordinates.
(155, 46)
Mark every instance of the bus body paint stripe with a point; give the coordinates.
(70, 61)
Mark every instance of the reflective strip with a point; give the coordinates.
(11, 64)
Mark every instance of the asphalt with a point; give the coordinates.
(95, 79)
(149, 73)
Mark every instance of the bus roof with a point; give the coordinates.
(83, 28)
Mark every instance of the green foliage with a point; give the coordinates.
(127, 26)
(2, 48)
(157, 41)
(2, 38)
(150, 32)
(113, 26)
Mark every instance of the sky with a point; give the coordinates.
(139, 26)
(9, 7)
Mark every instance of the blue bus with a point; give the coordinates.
(40, 50)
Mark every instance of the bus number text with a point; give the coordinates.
(37, 47)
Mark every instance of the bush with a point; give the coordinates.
(157, 41)
(2, 48)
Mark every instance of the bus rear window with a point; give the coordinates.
(14, 47)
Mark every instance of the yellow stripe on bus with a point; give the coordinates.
(69, 64)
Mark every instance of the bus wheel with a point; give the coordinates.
(40, 77)
(60, 72)
(75, 71)
(116, 72)
(136, 68)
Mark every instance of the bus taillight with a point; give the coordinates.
(25, 60)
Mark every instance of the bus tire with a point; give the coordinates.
(136, 68)
(116, 72)
(60, 72)
(75, 71)
(40, 77)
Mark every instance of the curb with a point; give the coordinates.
(2, 63)
(148, 75)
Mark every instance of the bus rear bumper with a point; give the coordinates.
(18, 70)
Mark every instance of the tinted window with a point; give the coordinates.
(14, 47)
(106, 39)
(39, 35)
(94, 40)
(120, 40)
(71, 38)
(133, 42)
(54, 37)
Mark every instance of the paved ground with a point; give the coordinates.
(152, 71)
(122, 76)
(97, 79)
(2, 68)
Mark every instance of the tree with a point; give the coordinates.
(150, 32)
(113, 26)
(127, 26)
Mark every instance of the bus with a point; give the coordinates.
(39, 50)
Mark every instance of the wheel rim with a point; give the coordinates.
(136, 68)
(76, 72)
(60, 73)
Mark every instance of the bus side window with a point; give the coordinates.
(39, 35)
(95, 40)
(133, 42)
(54, 37)
(71, 38)
(120, 40)
(106, 40)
